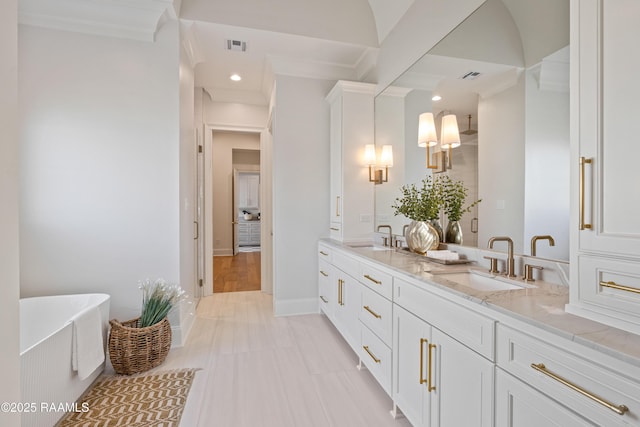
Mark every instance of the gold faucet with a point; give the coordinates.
(390, 238)
(510, 261)
(535, 239)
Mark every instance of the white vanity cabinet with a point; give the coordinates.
(553, 382)
(605, 263)
(351, 193)
(437, 380)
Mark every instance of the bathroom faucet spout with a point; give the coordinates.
(390, 238)
(535, 239)
(510, 259)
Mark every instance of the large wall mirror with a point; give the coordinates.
(504, 73)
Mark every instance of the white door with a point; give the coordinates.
(464, 379)
(234, 214)
(412, 337)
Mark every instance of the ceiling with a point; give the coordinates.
(331, 39)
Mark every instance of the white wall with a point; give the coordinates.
(234, 115)
(100, 152)
(547, 159)
(9, 264)
(501, 167)
(425, 20)
(300, 190)
(222, 191)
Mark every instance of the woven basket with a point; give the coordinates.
(133, 350)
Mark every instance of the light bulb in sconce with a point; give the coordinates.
(386, 157)
(449, 132)
(427, 136)
(370, 155)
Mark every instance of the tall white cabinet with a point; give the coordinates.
(605, 263)
(351, 193)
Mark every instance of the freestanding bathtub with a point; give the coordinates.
(47, 377)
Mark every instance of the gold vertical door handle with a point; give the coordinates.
(618, 409)
(422, 343)
(430, 387)
(337, 205)
(340, 283)
(582, 225)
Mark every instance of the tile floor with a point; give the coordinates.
(259, 370)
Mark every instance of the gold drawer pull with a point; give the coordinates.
(373, 313)
(620, 410)
(422, 342)
(375, 359)
(324, 253)
(324, 274)
(614, 285)
(429, 386)
(324, 299)
(334, 229)
(582, 224)
(377, 282)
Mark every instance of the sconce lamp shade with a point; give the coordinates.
(427, 130)
(386, 158)
(370, 155)
(450, 133)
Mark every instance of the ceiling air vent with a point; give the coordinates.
(470, 75)
(236, 45)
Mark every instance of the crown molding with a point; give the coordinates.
(129, 19)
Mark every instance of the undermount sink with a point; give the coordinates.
(483, 281)
(369, 246)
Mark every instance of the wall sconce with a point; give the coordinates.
(386, 161)
(427, 137)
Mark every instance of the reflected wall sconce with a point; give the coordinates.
(427, 137)
(378, 171)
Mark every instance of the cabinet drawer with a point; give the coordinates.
(570, 379)
(468, 327)
(376, 280)
(611, 287)
(375, 313)
(324, 289)
(377, 358)
(335, 230)
(325, 252)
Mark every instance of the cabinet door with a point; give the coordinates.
(335, 149)
(605, 34)
(253, 191)
(347, 309)
(411, 340)
(518, 405)
(464, 379)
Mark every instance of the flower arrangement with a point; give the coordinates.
(158, 299)
(420, 204)
(454, 194)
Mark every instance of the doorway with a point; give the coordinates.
(235, 191)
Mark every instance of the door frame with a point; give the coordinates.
(208, 202)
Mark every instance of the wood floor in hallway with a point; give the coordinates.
(255, 369)
(236, 273)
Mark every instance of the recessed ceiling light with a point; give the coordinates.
(235, 77)
(436, 98)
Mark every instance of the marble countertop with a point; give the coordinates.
(541, 305)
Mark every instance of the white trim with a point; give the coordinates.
(295, 307)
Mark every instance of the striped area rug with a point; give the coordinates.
(155, 399)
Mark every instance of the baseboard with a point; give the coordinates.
(292, 307)
(223, 252)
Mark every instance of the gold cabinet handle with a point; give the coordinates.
(334, 229)
(337, 206)
(618, 409)
(614, 285)
(324, 274)
(377, 282)
(324, 253)
(582, 225)
(324, 299)
(340, 284)
(373, 313)
(429, 386)
(375, 359)
(422, 343)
